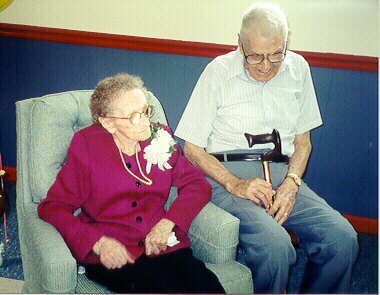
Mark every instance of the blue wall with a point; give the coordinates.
(343, 168)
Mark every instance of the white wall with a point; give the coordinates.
(337, 26)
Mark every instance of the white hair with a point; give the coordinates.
(266, 19)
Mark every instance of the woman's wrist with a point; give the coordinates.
(167, 225)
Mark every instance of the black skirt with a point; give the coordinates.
(175, 272)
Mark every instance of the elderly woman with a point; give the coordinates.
(119, 171)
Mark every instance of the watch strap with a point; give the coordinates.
(295, 178)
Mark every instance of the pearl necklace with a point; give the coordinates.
(146, 180)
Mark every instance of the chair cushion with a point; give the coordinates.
(54, 120)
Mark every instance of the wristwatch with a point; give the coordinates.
(295, 178)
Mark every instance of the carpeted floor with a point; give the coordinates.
(365, 275)
(9, 286)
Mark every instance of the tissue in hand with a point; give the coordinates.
(172, 240)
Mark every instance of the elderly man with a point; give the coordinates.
(257, 88)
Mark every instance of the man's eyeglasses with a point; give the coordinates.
(255, 59)
(135, 117)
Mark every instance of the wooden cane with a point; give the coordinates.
(266, 170)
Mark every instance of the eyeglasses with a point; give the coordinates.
(255, 59)
(135, 117)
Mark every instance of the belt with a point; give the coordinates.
(238, 157)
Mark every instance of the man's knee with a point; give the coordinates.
(346, 238)
(340, 240)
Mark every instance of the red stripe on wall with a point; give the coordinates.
(361, 224)
(316, 59)
(10, 173)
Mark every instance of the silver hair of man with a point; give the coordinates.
(265, 19)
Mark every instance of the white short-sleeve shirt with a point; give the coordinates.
(226, 103)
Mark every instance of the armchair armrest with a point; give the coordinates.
(214, 235)
(48, 256)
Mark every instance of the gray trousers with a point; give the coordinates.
(265, 246)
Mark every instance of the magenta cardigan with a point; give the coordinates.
(114, 203)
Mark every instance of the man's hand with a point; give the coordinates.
(255, 189)
(112, 253)
(157, 239)
(284, 200)
(286, 193)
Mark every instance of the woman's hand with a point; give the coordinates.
(157, 239)
(284, 200)
(112, 253)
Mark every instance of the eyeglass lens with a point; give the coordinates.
(136, 117)
(258, 58)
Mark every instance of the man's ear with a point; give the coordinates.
(239, 44)
(107, 124)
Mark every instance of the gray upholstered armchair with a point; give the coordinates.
(45, 126)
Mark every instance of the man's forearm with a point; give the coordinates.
(210, 165)
(300, 157)
(255, 189)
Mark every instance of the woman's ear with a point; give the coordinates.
(107, 124)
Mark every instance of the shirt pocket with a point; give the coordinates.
(286, 109)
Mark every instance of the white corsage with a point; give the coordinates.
(160, 149)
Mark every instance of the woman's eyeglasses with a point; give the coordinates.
(135, 117)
